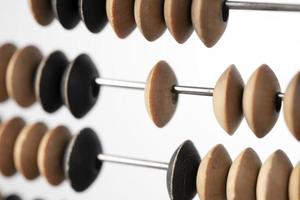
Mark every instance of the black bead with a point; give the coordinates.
(67, 12)
(13, 197)
(182, 172)
(79, 88)
(81, 164)
(48, 81)
(93, 14)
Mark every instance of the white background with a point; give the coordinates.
(120, 117)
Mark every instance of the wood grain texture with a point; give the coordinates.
(273, 178)
(42, 11)
(120, 14)
(260, 103)
(212, 174)
(51, 154)
(6, 53)
(178, 19)
(209, 20)
(161, 101)
(21, 74)
(294, 184)
(149, 17)
(291, 106)
(242, 177)
(26, 150)
(9, 132)
(228, 98)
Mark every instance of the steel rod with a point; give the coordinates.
(239, 5)
(202, 91)
(133, 161)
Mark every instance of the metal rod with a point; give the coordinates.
(133, 162)
(239, 5)
(201, 91)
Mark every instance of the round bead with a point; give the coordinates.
(21, 73)
(273, 178)
(228, 100)
(291, 106)
(9, 132)
(48, 81)
(13, 197)
(149, 17)
(182, 172)
(42, 11)
(294, 184)
(242, 177)
(67, 12)
(6, 53)
(93, 14)
(81, 164)
(120, 14)
(161, 101)
(26, 150)
(178, 19)
(209, 18)
(212, 174)
(51, 154)
(80, 90)
(260, 103)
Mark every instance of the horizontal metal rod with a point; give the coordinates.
(133, 161)
(239, 5)
(201, 91)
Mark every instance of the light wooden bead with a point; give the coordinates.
(178, 19)
(51, 153)
(26, 150)
(209, 18)
(120, 14)
(294, 184)
(260, 103)
(242, 177)
(228, 98)
(9, 131)
(21, 74)
(6, 52)
(149, 17)
(161, 101)
(273, 178)
(291, 106)
(42, 11)
(212, 174)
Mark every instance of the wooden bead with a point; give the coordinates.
(93, 14)
(260, 103)
(67, 12)
(273, 178)
(26, 150)
(9, 131)
(21, 74)
(120, 14)
(212, 174)
(161, 101)
(48, 81)
(242, 177)
(209, 18)
(178, 19)
(149, 17)
(51, 154)
(228, 99)
(42, 11)
(294, 184)
(79, 88)
(6, 52)
(291, 106)
(182, 172)
(81, 164)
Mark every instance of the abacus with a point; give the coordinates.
(79, 159)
